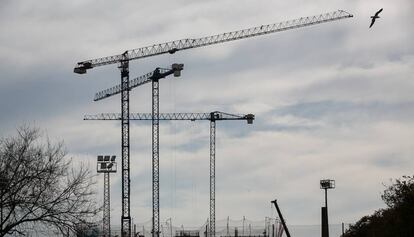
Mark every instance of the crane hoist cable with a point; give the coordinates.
(189, 43)
(171, 47)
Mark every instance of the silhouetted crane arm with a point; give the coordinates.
(156, 74)
(281, 218)
(177, 45)
(215, 116)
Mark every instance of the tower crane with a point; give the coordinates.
(153, 77)
(171, 47)
(155, 117)
(212, 117)
(124, 89)
(183, 44)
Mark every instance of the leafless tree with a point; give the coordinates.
(39, 186)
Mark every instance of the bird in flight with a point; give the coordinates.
(374, 17)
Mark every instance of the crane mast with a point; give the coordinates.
(125, 151)
(183, 44)
(171, 47)
(212, 117)
(124, 88)
(212, 219)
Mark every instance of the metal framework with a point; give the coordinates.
(107, 207)
(172, 47)
(212, 117)
(212, 219)
(281, 218)
(125, 151)
(155, 158)
(106, 165)
(173, 116)
(183, 44)
(124, 88)
(138, 81)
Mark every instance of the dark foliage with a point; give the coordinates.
(397, 220)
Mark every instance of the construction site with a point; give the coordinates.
(230, 118)
(125, 87)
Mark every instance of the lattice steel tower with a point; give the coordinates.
(212, 117)
(172, 47)
(106, 165)
(154, 77)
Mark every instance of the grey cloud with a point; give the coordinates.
(351, 112)
(303, 86)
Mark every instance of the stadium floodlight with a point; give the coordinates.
(326, 184)
(106, 164)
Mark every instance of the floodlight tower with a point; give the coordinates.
(326, 184)
(106, 165)
(212, 117)
(154, 77)
(172, 47)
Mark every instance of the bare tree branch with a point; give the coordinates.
(40, 186)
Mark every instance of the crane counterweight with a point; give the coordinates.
(178, 45)
(212, 117)
(172, 47)
(249, 118)
(82, 67)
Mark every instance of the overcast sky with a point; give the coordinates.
(331, 101)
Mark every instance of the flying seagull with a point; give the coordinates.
(375, 17)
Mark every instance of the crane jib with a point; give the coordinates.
(183, 44)
(216, 115)
(156, 74)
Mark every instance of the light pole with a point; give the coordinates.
(106, 164)
(170, 226)
(326, 184)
